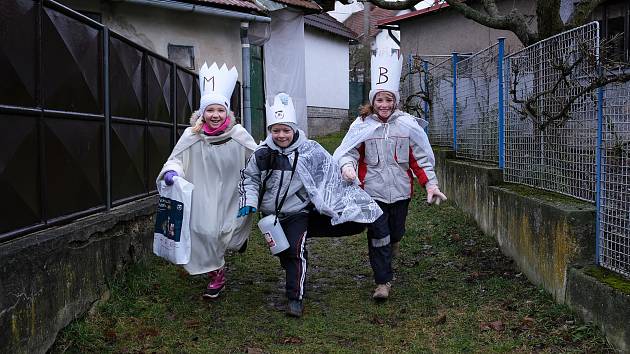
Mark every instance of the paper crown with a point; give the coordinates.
(385, 71)
(282, 111)
(216, 85)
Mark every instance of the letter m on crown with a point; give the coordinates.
(211, 80)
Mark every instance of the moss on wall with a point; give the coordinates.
(612, 279)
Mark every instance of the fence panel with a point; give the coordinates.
(441, 103)
(413, 88)
(614, 201)
(478, 106)
(91, 116)
(550, 129)
(73, 121)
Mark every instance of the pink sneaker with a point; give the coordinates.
(216, 284)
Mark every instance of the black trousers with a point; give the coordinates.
(387, 229)
(298, 227)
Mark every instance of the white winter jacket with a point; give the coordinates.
(387, 159)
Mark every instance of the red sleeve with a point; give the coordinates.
(362, 165)
(417, 170)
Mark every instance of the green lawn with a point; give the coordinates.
(454, 292)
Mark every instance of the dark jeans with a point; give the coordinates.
(387, 229)
(298, 227)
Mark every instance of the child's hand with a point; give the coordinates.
(348, 173)
(245, 211)
(168, 177)
(434, 195)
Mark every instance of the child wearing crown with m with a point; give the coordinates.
(384, 148)
(210, 154)
(295, 179)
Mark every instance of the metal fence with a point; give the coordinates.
(413, 87)
(536, 115)
(478, 105)
(614, 187)
(440, 87)
(550, 128)
(88, 117)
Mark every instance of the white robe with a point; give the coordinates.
(214, 170)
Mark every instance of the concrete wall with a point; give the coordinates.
(50, 278)
(327, 65)
(324, 120)
(447, 31)
(543, 232)
(599, 303)
(213, 38)
(549, 236)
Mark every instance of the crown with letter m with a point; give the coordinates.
(216, 85)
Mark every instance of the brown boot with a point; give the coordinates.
(382, 291)
(396, 249)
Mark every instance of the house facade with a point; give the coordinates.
(327, 85)
(440, 30)
(190, 34)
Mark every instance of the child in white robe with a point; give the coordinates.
(210, 154)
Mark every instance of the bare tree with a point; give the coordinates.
(578, 72)
(548, 20)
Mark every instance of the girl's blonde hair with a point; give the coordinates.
(196, 121)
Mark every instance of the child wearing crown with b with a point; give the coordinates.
(210, 154)
(384, 148)
(295, 179)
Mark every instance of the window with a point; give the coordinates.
(183, 55)
(614, 20)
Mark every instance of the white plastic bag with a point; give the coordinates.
(171, 239)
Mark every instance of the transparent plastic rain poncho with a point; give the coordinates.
(362, 129)
(342, 201)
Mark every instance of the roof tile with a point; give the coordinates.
(237, 4)
(355, 21)
(327, 23)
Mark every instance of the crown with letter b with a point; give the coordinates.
(386, 66)
(216, 85)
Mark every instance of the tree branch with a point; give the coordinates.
(513, 21)
(582, 12)
(491, 7)
(395, 5)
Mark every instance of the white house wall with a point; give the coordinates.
(327, 81)
(327, 65)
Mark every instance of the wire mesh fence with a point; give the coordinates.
(551, 123)
(413, 87)
(440, 87)
(614, 201)
(478, 105)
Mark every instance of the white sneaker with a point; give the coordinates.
(382, 291)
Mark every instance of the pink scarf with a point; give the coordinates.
(218, 130)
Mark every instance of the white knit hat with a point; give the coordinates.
(386, 66)
(281, 112)
(216, 85)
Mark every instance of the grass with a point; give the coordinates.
(454, 292)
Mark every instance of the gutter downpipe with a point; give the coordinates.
(247, 105)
